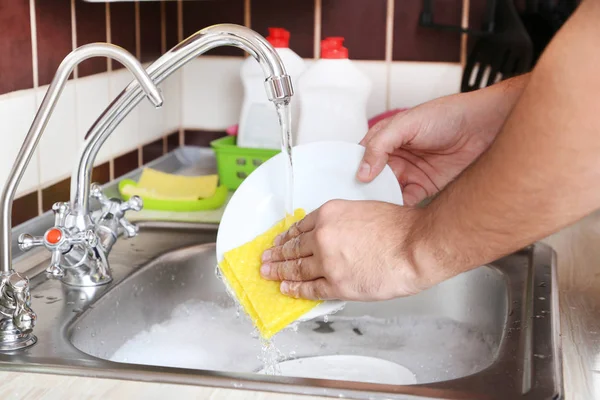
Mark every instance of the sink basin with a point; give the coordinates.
(176, 312)
(490, 333)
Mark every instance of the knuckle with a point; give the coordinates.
(293, 231)
(291, 249)
(277, 253)
(322, 235)
(328, 209)
(280, 271)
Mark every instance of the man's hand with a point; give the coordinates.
(350, 250)
(429, 145)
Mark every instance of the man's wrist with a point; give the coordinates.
(434, 253)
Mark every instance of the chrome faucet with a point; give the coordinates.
(277, 84)
(17, 319)
(77, 219)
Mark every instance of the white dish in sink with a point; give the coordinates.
(323, 171)
(348, 368)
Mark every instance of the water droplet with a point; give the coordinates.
(93, 334)
(542, 298)
(70, 303)
(172, 277)
(326, 318)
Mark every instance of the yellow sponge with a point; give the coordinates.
(262, 300)
(163, 186)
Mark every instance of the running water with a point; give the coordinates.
(285, 121)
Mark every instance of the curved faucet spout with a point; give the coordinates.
(41, 119)
(277, 84)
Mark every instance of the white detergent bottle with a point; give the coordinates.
(333, 96)
(259, 125)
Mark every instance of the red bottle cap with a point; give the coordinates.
(279, 37)
(333, 48)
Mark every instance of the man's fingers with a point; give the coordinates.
(297, 247)
(306, 224)
(318, 289)
(301, 269)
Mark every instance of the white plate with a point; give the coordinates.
(348, 368)
(323, 171)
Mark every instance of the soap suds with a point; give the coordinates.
(203, 335)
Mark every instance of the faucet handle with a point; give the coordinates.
(61, 210)
(58, 241)
(135, 203)
(96, 193)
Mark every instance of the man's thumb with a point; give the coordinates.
(375, 157)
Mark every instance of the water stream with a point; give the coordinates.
(285, 121)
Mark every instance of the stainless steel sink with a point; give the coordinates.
(490, 333)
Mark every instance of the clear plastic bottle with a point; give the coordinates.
(333, 96)
(259, 126)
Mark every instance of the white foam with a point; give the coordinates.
(203, 335)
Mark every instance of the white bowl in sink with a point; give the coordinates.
(323, 171)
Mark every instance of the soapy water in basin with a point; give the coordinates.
(204, 335)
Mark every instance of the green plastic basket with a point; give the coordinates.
(235, 163)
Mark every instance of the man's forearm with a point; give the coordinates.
(488, 108)
(542, 172)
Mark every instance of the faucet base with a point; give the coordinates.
(86, 281)
(16, 341)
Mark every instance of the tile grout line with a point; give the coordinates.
(111, 160)
(75, 70)
(179, 20)
(138, 54)
(389, 51)
(140, 156)
(108, 34)
(180, 75)
(247, 14)
(35, 78)
(247, 19)
(138, 38)
(317, 43)
(163, 27)
(464, 37)
(34, 46)
(74, 34)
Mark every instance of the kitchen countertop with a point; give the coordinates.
(578, 250)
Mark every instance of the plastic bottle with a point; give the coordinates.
(333, 96)
(259, 126)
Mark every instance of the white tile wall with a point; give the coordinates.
(60, 141)
(16, 115)
(206, 94)
(413, 83)
(127, 135)
(212, 93)
(92, 97)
